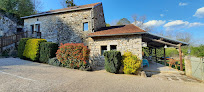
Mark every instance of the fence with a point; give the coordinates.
(197, 65)
(8, 40)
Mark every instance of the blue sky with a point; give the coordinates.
(164, 15)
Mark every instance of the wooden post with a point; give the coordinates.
(180, 55)
(155, 51)
(1, 44)
(165, 56)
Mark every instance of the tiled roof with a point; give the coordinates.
(74, 8)
(117, 30)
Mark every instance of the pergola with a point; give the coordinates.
(156, 41)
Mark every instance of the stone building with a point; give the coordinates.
(68, 25)
(9, 24)
(86, 24)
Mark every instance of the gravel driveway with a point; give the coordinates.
(18, 75)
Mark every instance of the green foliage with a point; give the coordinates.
(73, 55)
(54, 61)
(171, 52)
(21, 47)
(19, 7)
(131, 63)
(112, 61)
(47, 50)
(123, 21)
(70, 3)
(32, 49)
(198, 51)
(108, 25)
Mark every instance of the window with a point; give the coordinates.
(37, 26)
(103, 49)
(86, 26)
(113, 47)
(32, 28)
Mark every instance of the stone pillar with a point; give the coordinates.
(188, 67)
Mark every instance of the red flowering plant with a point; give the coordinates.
(73, 55)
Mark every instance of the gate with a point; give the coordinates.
(197, 65)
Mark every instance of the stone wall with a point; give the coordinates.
(7, 26)
(132, 43)
(99, 20)
(67, 27)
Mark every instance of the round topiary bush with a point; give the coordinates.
(131, 63)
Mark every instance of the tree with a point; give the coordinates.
(18, 7)
(123, 21)
(108, 25)
(139, 21)
(70, 3)
(37, 5)
(184, 36)
(63, 3)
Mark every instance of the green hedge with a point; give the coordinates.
(112, 61)
(21, 47)
(47, 50)
(32, 49)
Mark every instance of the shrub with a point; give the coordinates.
(112, 61)
(47, 50)
(32, 49)
(73, 55)
(131, 63)
(54, 61)
(21, 47)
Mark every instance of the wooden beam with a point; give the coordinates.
(163, 42)
(165, 56)
(180, 56)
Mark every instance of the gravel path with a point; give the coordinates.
(25, 76)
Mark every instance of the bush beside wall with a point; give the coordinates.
(112, 61)
(47, 51)
(54, 61)
(32, 49)
(73, 55)
(21, 47)
(131, 63)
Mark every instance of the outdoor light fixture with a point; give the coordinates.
(165, 46)
(144, 44)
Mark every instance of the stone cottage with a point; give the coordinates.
(66, 25)
(86, 24)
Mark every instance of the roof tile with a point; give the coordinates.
(116, 30)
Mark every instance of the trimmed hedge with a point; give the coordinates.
(112, 61)
(131, 63)
(21, 47)
(73, 55)
(32, 49)
(47, 50)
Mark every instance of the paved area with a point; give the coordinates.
(156, 67)
(24, 76)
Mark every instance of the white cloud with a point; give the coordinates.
(199, 13)
(183, 4)
(162, 15)
(154, 23)
(180, 24)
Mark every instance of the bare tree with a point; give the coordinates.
(184, 36)
(63, 3)
(139, 21)
(37, 5)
